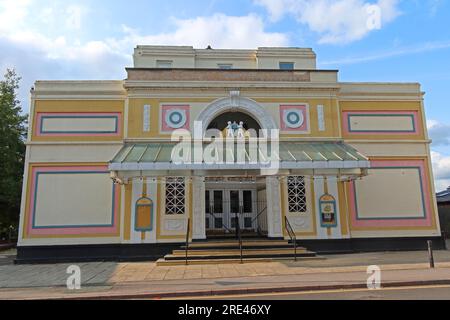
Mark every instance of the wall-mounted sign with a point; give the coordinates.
(144, 215)
(328, 217)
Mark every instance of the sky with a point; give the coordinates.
(402, 41)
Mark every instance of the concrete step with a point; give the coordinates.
(235, 244)
(232, 236)
(213, 251)
(163, 262)
(246, 254)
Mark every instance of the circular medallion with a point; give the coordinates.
(293, 118)
(176, 118)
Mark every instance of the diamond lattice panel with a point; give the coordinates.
(175, 196)
(296, 194)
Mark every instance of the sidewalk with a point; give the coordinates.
(155, 289)
(146, 280)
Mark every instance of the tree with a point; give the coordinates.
(12, 152)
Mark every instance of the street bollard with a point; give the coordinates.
(430, 253)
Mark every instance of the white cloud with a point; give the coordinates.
(39, 53)
(336, 21)
(218, 30)
(398, 52)
(74, 16)
(12, 14)
(439, 133)
(441, 170)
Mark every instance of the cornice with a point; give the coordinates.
(133, 84)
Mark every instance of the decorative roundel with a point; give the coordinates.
(176, 118)
(293, 118)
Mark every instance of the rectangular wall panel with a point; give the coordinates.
(78, 124)
(75, 200)
(396, 193)
(380, 122)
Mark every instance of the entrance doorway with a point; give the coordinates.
(227, 201)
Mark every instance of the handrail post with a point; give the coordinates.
(295, 248)
(238, 231)
(187, 240)
(240, 244)
(291, 234)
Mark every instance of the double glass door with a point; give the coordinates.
(223, 206)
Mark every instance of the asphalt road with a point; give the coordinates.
(404, 293)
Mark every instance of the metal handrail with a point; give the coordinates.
(260, 213)
(238, 231)
(291, 234)
(259, 230)
(211, 212)
(188, 227)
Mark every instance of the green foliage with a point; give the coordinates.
(12, 152)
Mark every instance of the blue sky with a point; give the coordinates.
(87, 39)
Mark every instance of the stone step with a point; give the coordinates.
(236, 255)
(163, 262)
(235, 244)
(214, 251)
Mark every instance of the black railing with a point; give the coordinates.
(217, 215)
(223, 218)
(261, 224)
(239, 236)
(291, 234)
(188, 227)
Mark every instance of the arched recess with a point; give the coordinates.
(236, 104)
(143, 215)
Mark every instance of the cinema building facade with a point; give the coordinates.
(353, 168)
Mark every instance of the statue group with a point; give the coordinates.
(235, 130)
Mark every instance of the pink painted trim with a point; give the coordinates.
(39, 116)
(415, 114)
(304, 127)
(70, 231)
(166, 108)
(426, 222)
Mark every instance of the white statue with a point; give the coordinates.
(240, 131)
(230, 130)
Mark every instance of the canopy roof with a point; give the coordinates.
(285, 155)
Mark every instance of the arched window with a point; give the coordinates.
(144, 215)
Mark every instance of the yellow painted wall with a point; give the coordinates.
(172, 236)
(310, 215)
(135, 114)
(331, 116)
(136, 106)
(388, 106)
(77, 106)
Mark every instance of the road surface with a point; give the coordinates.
(404, 293)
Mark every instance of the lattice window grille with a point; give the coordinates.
(175, 195)
(296, 194)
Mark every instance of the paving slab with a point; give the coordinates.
(111, 273)
(242, 285)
